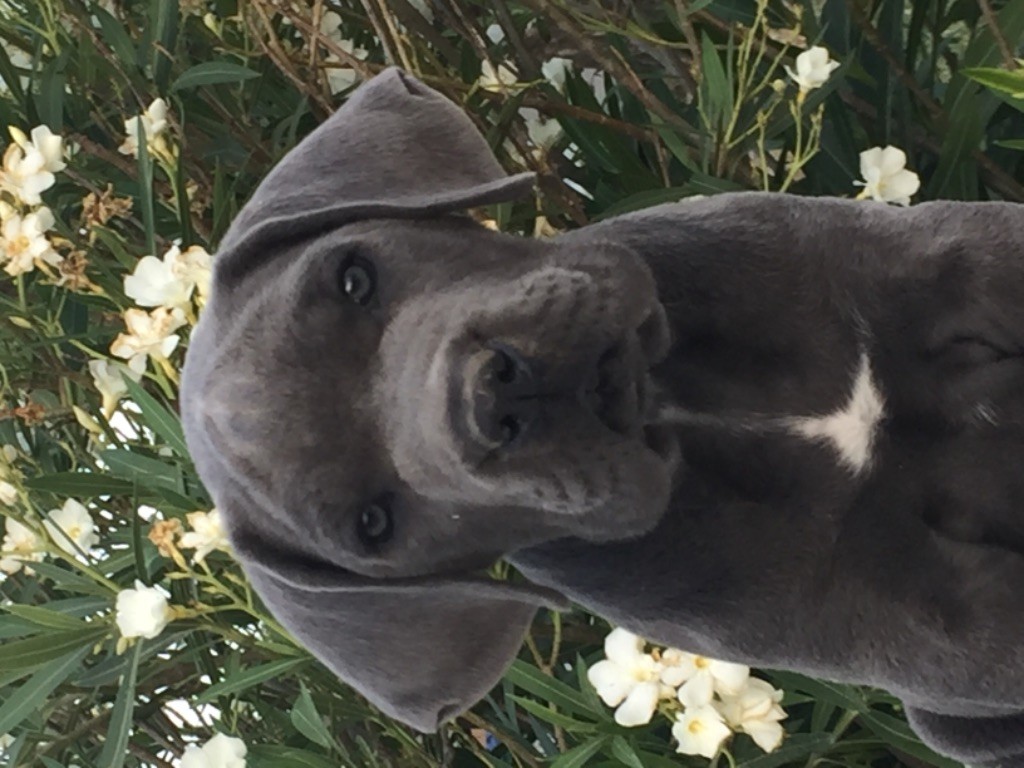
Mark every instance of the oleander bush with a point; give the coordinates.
(134, 131)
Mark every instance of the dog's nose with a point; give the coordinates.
(503, 394)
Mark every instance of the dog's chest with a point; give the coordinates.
(849, 431)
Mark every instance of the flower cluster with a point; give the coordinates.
(708, 699)
(70, 528)
(29, 165)
(339, 77)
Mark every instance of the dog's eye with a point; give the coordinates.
(357, 280)
(375, 524)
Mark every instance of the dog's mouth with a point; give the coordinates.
(621, 394)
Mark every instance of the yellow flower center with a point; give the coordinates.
(701, 663)
(695, 727)
(18, 245)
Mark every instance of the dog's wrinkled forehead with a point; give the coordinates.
(395, 150)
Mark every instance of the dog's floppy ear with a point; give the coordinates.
(395, 149)
(420, 649)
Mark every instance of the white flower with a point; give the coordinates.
(169, 282)
(44, 141)
(24, 241)
(813, 68)
(219, 752)
(543, 131)
(20, 60)
(555, 70)
(700, 731)
(701, 677)
(495, 33)
(142, 612)
(193, 265)
(627, 679)
(496, 80)
(8, 494)
(72, 521)
(108, 377)
(29, 164)
(153, 121)
(149, 334)
(207, 534)
(20, 543)
(756, 712)
(330, 25)
(340, 78)
(886, 177)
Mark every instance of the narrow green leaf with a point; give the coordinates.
(1011, 143)
(45, 617)
(307, 720)
(145, 171)
(898, 734)
(588, 692)
(114, 749)
(547, 688)
(33, 651)
(69, 580)
(143, 470)
(160, 419)
(1011, 82)
(550, 716)
(213, 73)
(29, 697)
(577, 757)
(795, 747)
(79, 484)
(249, 677)
(625, 753)
(277, 756)
(115, 36)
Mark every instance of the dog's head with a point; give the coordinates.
(384, 397)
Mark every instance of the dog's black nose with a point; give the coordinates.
(503, 394)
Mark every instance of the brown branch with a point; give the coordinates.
(997, 33)
(882, 48)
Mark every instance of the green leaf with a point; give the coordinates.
(625, 753)
(79, 484)
(547, 688)
(1011, 143)
(114, 749)
(276, 756)
(160, 419)
(213, 73)
(897, 733)
(249, 677)
(115, 36)
(307, 720)
(844, 696)
(29, 697)
(1011, 82)
(69, 580)
(45, 617)
(578, 756)
(555, 718)
(795, 747)
(145, 172)
(33, 651)
(143, 470)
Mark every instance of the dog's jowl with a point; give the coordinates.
(780, 431)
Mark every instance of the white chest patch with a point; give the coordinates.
(851, 429)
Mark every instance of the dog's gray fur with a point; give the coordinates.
(711, 517)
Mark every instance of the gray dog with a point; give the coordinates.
(774, 430)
